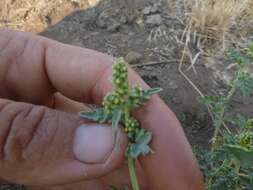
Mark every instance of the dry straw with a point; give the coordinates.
(213, 18)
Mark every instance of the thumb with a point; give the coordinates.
(42, 146)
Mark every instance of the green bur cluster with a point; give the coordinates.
(117, 107)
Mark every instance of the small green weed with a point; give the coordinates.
(229, 163)
(117, 107)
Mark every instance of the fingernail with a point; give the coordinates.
(93, 143)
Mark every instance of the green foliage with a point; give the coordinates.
(237, 57)
(141, 144)
(245, 83)
(229, 164)
(218, 106)
(250, 51)
(244, 156)
(117, 107)
(98, 115)
(116, 115)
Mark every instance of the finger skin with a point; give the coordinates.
(3, 181)
(36, 147)
(45, 66)
(67, 105)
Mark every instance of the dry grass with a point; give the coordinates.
(213, 18)
(210, 21)
(36, 15)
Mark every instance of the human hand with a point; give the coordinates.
(42, 142)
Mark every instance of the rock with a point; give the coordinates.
(114, 27)
(123, 19)
(155, 9)
(133, 57)
(172, 85)
(107, 21)
(154, 20)
(101, 21)
(147, 10)
(151, 9)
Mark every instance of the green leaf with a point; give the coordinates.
(94, 115)
(152, 91)
(237, 57)
(137, 99)
(97, 115)
(116, 118)
(209, 100)
(148, 93)
(245, 84)
(140, 146)
(218, 105)
(242, 154)
(250, 51)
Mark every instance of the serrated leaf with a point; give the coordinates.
(140, 100)
(208, 100)
(213, 100)
(96, 115)
(148, 93)
(242, 154)
(116, 118)
(152, 91)
(250, 52)
(245, 84)
(237, 57)
(141, 145)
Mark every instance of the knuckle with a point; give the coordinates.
(23, 131)
(12, 48)
(11, 116)
(7, 115)
(12, 44)
(43, 126)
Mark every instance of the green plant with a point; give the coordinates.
(229, 163)
(117, 106)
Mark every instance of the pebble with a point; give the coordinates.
(151, 9)
(133, 57)
(147, 10)
(154, 20)
(172, 85)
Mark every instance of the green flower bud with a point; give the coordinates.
(116, 101)
(117, 81)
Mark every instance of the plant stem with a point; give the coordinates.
(132, 173)
(221, 117)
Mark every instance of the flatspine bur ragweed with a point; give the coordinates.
(117, 107)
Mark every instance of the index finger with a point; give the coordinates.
(32, 68)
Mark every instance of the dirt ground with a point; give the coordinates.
(148, 34)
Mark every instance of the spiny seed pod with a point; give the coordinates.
(136, 92)
(131, 124)
(135, 95)
(112, 101)
(120, 80)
